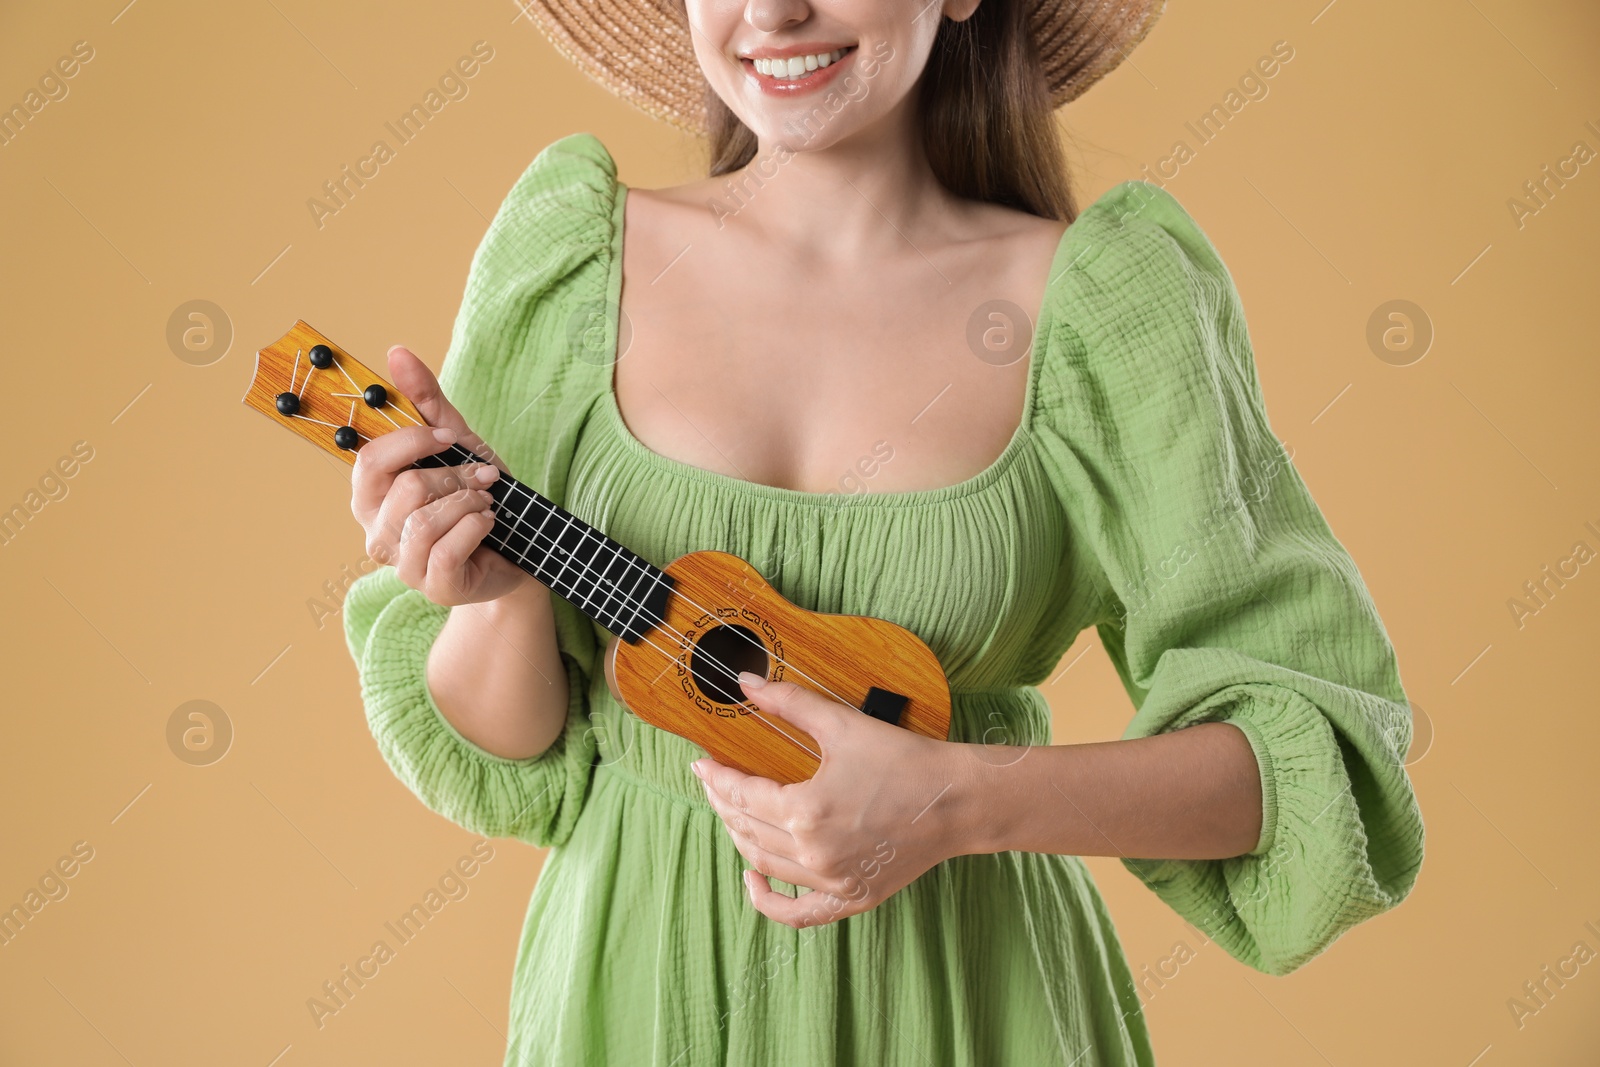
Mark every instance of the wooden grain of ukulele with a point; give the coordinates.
(684, 631)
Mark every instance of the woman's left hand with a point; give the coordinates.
(878, 812)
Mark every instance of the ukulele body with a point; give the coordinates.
(724, 618)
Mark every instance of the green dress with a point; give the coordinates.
(1143, 493)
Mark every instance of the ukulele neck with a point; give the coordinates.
(600, 577)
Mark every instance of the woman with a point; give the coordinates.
(827, 354)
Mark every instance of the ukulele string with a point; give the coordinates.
(587, 570)
(309, 372)
(347, 378)
(750, 708)
(331, 426)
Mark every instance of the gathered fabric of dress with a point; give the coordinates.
(1144, 493)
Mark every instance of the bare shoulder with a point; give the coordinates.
(657, 218)
(1006, 235)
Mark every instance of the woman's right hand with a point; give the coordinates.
(430, 523)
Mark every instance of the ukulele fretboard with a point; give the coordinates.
(600, 577)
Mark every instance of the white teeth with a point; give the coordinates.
(797, 66)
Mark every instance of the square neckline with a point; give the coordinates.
(1020, 437)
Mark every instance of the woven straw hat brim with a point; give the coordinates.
(641, 50)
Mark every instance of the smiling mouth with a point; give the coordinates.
(795, 72)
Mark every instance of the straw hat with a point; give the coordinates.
(641, 50)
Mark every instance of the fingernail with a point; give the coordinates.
(486, 473)
(488, 497)
(444, 436)
(698, 773)
(754, 681)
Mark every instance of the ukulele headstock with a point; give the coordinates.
(324, 394)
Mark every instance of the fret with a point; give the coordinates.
(586, 598)
(604, 607)
(630, 578)
(636, 577)
(514, 544)
(538, 539)
(565, 558)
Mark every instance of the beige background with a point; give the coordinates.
(179, 563)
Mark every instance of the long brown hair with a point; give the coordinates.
(988, 128)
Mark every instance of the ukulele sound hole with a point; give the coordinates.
(719, 656)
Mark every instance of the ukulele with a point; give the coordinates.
(684, 631)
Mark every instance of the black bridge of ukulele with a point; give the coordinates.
(884, 705)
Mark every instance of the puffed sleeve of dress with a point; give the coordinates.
(1226, 597)
(506, 368)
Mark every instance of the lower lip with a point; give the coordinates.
(811, 82)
